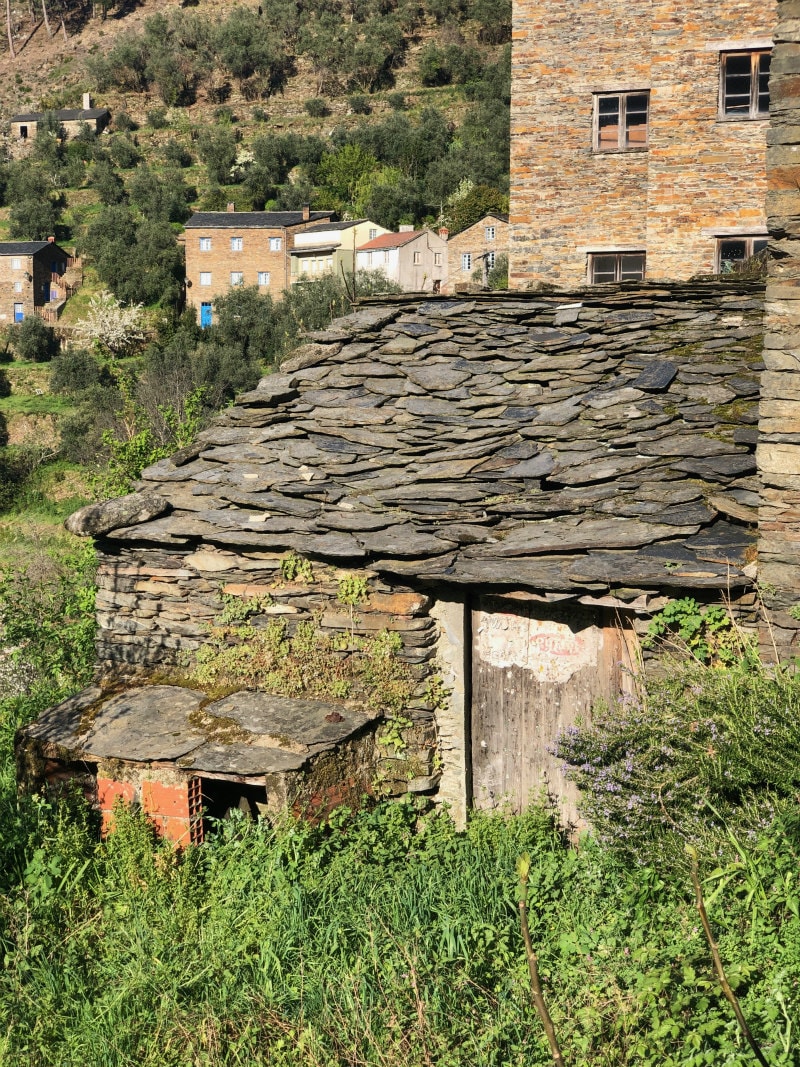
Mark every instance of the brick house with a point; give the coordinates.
(330, 247)
(638, 139)
(24, 126)
(475, 248)
(225, 249)
(32, 279)
(415, 259)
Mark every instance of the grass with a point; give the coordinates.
(26, 404)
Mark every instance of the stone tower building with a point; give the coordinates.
(638, 138)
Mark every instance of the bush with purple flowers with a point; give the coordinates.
(691, 754)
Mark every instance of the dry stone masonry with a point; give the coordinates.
(779, 427)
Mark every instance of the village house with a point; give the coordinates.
(638, 140)
(226, 249)
(71, 120)
(414, 259)
(34, 279)
(330, 248)
(475, 250)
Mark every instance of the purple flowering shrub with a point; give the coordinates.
(694, 753)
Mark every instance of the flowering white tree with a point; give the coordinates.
(111, 325)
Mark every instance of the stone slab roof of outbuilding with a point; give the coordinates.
(67, 114)
(551, 442)
(244, 733)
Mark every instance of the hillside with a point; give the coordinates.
(216, 61)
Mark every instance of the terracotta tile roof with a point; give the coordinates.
(390, 240)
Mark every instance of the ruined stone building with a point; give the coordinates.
(71, 121)
(638, 139)
(510, 485)
(505, 487)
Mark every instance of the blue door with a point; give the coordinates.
(205, 315)
(19, 312)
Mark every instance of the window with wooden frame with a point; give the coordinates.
(734, 252)
(417, 258)
(237, 277)
(744, 85)
(237, 244)
(466, 261)
(616, 267)
(621, 121)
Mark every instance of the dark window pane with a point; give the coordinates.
(604, 269)
(636, 119)
(731, 254)
(759, 244)
(608, 109)
(632, 267)
(738, 64)
(608, 105)
(738, 82)
(763, 83)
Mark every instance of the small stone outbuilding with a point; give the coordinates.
(510, 484)
(71, 120)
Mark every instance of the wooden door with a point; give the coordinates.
(538, 669)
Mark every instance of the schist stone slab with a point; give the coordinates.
(298, 722)
(145, 724)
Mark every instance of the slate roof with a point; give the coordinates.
(605, 439)
(390, 240)
(250, 219)
(246, 733)
(25, 248)
(68, 114)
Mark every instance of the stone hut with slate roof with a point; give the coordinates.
(517, 482)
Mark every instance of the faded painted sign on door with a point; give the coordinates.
(537, 670)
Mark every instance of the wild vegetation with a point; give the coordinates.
(385, 936)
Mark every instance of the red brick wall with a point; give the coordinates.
(164, 800)
(698, 173)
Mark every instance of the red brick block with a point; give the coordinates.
(167, 800)
(110, 790)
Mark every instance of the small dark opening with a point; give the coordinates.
(221, 798)
(23, 132)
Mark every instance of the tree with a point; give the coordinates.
(140, 262)
(217, 149)
(470, 203)
(341, 171)
(33, 219)
(111, 326)
(110, 187)
(159, 199)
(33, 341)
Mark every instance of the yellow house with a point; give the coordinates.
(330, 247)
